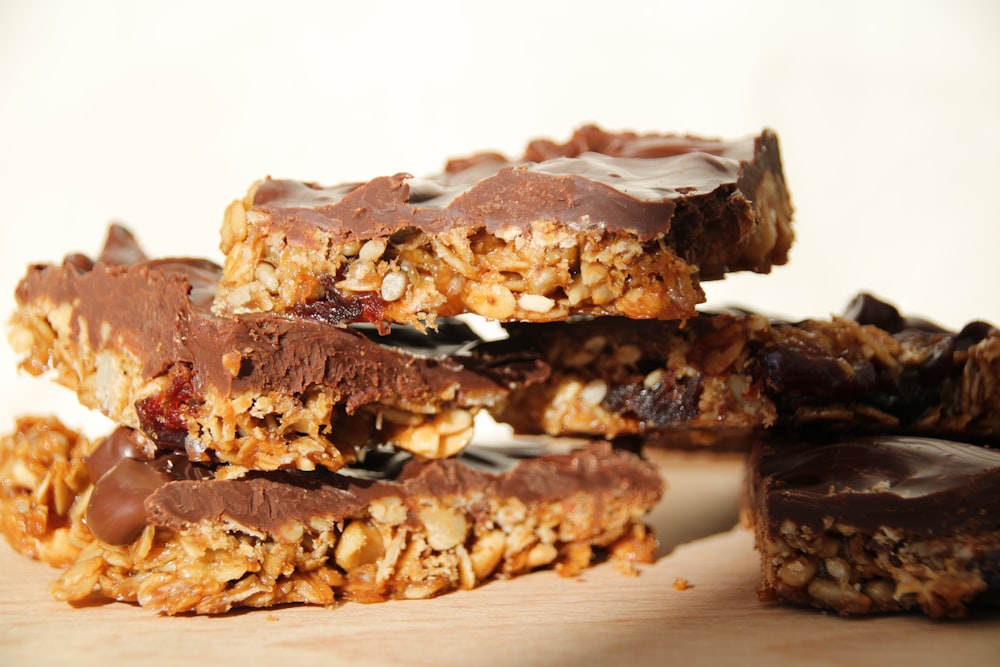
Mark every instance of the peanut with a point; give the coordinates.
(359, 545)
(535, 303)
(797, 572)
(445, 527)
(491, 301)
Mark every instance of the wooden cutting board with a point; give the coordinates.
(602, 617)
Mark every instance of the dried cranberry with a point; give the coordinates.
(337, 307)
(163, 416)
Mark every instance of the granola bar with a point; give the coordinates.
(605, 224)
(721, 376)
(877, 524)
(174, 536)
(135, 338)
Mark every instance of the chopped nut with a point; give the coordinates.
(681, 584)
(452, 443)
(535, 303)
(291, 531)
(445, 528)
(593, 273)
(881, 591)
(797, 572)
(542, 280)
(423, 440)
(512, 514)
(508, 233)
(844, 599)
(577, 293)
(62, 495)
(21, 475)
(491, 301)
(232, 361)
(486, 553)
(234, 227)
(542, 554)
(21, 340)
(393, 552)
(444, 435)
(389, 510)
(60, 318)
(453, 421)
(838, 569)
(359, 544)
(466, 571)
(602, 295)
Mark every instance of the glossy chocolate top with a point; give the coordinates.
(160, 311)
(924, 486)
(647, 185)
(137, 490)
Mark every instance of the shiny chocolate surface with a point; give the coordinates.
(136, 491)
(695, 194)
(925, 486)
(124, 473)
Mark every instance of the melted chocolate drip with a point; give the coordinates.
(124, 473)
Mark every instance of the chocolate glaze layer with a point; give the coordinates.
(269, 501)
(133, 488)
(698, 194)
(160, 311)
(924, 486)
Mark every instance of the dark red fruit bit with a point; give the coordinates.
(336, 307)
(668, 403)
(162, 416)
(798, 374)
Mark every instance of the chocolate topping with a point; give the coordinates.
(121, 248)
(133, 489)
(592, 139)
(268, 502)
(925, 486)
(264, 504)
(697, 192)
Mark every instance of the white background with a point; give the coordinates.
(157, 115)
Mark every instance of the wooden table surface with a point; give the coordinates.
(601, 617)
